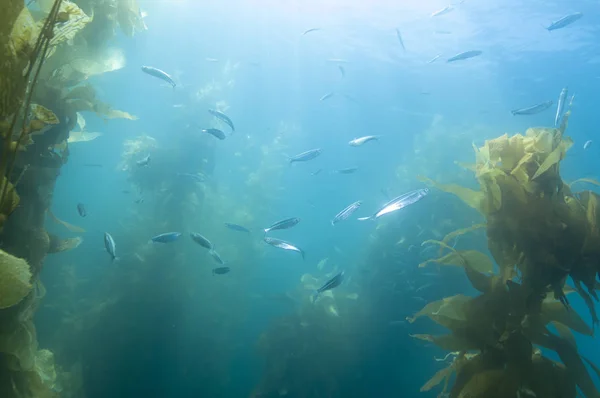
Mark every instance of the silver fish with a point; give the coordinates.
(342, 70)
(330, 284)
(398, 203)
(159, 74)
(532, 110)
(561, 105)
(310, 30)
(283, 224)
(215, 133)
(201, 240)
(223, 117)
(216, 256)
(465, 55)
(110, 246)
(432, 60)
(587, 144)
(326, 96)
(237, 227)
(305, 156)
(348, 170)
(144, 162)
(363, 140)
(443, 11)
(167, 237)
(347, 212)
(193, 177)
(281, 244)
(399, 35)
(564, 21)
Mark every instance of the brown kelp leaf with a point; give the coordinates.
(82, 136)
(460, 232)
(483, 384)
(441, 244)
(130, 17)
(470, 197)
(565, 333)
(477, 260)
(15, 280)
(73, 21)
(467, 166)
(592, 212)
(479, 281)
(437, 378)
(43, 114)
(449, 307)
(84, 92)
(117, 114)
(11, 200)
(70, 227)
(587, 180)
(554, 157)
(553, 310)
(58, 245)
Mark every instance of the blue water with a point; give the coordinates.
(172, 329)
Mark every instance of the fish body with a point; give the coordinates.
(442, 11)
(281, 244)
(314, 173)
(464, 55)
(213, 253)
(310, 30)
(561, 105)
(223, 117)
(363, 140)
(399, 36)
(330, 284)
(138, 201)
(432, 60)
(342, 70)
(159, 74)
(326, 96)
(81, 210)
(398, 203)
(532, 110)
(167, 237)
(110, 246)
(237, 227)
(221, 270)
(347, 212)
(191, 176)
(215, 133)
(283, 224)
(144, 162)
(306, 156)
(587, 144)
(201, 240)
(347, 170)
(564, 21)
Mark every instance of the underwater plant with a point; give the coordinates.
(539, 233)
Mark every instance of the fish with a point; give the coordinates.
(326, 96)
(465, 55)
(93, 165)
(399, 36)
(571, 101)
(281, 244)
(283, 224)
(159, 74)
(81, 210)
(223, 117)
(213, 253)
(310, 30)
(221, 270)
(432, 60)
(314, 173)
(347, 212)
(330, 284)
(564, 21)
(442, 11)
(215, 133)
(211, 59)
(398, 203)
(532, 110)
(306, 156)
(167, 237)
(561, 105)
(237, 227)
(144, 162)
(363, 140)
(138, 201)
(348, 170)
(193, 177)
(342, 71)
(201, 240)
(587, 144)
(110, 246)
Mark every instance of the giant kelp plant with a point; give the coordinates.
(539, 233)
(36, 115)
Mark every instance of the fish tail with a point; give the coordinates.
(302, 253)
(315, 296)
(332, 223)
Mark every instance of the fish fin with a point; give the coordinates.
(332, 223)
(302, 253)
(315, 296)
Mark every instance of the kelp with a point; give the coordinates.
(539, 233)
(70, 227)
(83, 98)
